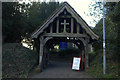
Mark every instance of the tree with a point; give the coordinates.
(20, 20)
(112, 23)
(11, 18)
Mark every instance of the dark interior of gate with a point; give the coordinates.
(52, 54)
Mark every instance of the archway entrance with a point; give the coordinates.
(75, 49)
(65, 25)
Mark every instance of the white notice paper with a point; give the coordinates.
(76, 63)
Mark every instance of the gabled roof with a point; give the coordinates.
(73, 13)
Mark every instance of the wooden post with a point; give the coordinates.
(83, 57)
(71, 25)
(51, 29)
(86, 53)
(87, 57)
(41, 53)
(57, 26)
(45, 56)
(78, 28)
(89, 47)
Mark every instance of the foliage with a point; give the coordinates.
(11, 21)
(66, 52)
(112, 23)
(91, 53)
(17, 60)
(95, 9)
(96, 68)
(64, 55)
(20, 20)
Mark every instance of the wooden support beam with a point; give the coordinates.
(72, 25)
(41, 52)
(84, 31)
(83, 58)
(51, 29)
(57, 26)
(64, 35)
(86, 56)
(45, 56)
(78, 28)
(66, 16)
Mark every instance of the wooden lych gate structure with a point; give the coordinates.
(65, 25)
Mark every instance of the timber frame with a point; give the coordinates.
(64, 23)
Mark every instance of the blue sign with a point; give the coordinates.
(63, 45)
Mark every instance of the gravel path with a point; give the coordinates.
(60, 70)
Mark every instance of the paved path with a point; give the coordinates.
(60, 70)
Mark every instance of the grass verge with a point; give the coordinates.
(17, 60)
(96, 68)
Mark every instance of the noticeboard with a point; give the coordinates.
(63, 45)
(76, 63)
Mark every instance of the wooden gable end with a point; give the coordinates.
(65, 20)
(70, 21)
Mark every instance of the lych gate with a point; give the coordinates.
(65, 25)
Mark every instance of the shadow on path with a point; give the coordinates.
(60, 70)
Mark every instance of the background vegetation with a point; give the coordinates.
(64, 55)
(20, 20)
(112, 26)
